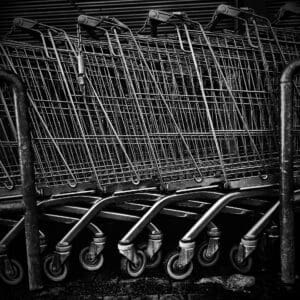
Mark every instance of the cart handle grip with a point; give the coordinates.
(32, 26)
(229, 11)
(235, 13)
(24, 23)
(102, 20)
(97, 23)
(156, 17)
(166, 17)
(35, 26)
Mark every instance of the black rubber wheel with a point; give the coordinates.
(88, 263)
(242, 267)
(203, 259)
(51, 273)
(16, 274)
(173, 270)
(129, 269)
(153, 262)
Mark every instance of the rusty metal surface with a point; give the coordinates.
(287, 186)
(28, 179)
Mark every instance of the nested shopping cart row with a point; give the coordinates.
(128, 127)
(147, 110)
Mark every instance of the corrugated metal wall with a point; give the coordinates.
(63, 13)
(135, 12)
(53, 12)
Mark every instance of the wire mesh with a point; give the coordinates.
(279, 47)
(193, 109)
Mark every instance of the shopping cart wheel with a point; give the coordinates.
(243, 267)
(13, 275)
(203, 259)
(53, 273)
(154, 261)
(174, 270)
(128, 268)
(90, 263)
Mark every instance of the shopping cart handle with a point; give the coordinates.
(156, 17)
(24, 23)
(290, 8)
(227, 11)
(98, 22)
(166, 17)
(117, 23)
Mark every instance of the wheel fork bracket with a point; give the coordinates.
(129, 252)
(43, 242)
(213, 246)
(154, 244)
(61, 253)
(6, 263)
(246, 248)
(213, 242)
(186, 253)
(97, 245)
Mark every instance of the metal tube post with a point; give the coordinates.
(287, 238)
(28, 180)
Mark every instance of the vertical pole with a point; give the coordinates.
(28, 180)
(287, 238)
(287, 245)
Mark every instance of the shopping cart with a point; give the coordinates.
(241, 256)
(27, 63)
(137, 118)
(163, 66)
(278, 47)
(44, 66)
(234, 70)
(36, 65)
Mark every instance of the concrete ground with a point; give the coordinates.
(108, 285)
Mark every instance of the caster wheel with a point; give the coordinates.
(13, 276)
(88, 263)
(128, 268)
(242, 267)
(174, 270)
(203, 259)
(153, 262)
(51, 273)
